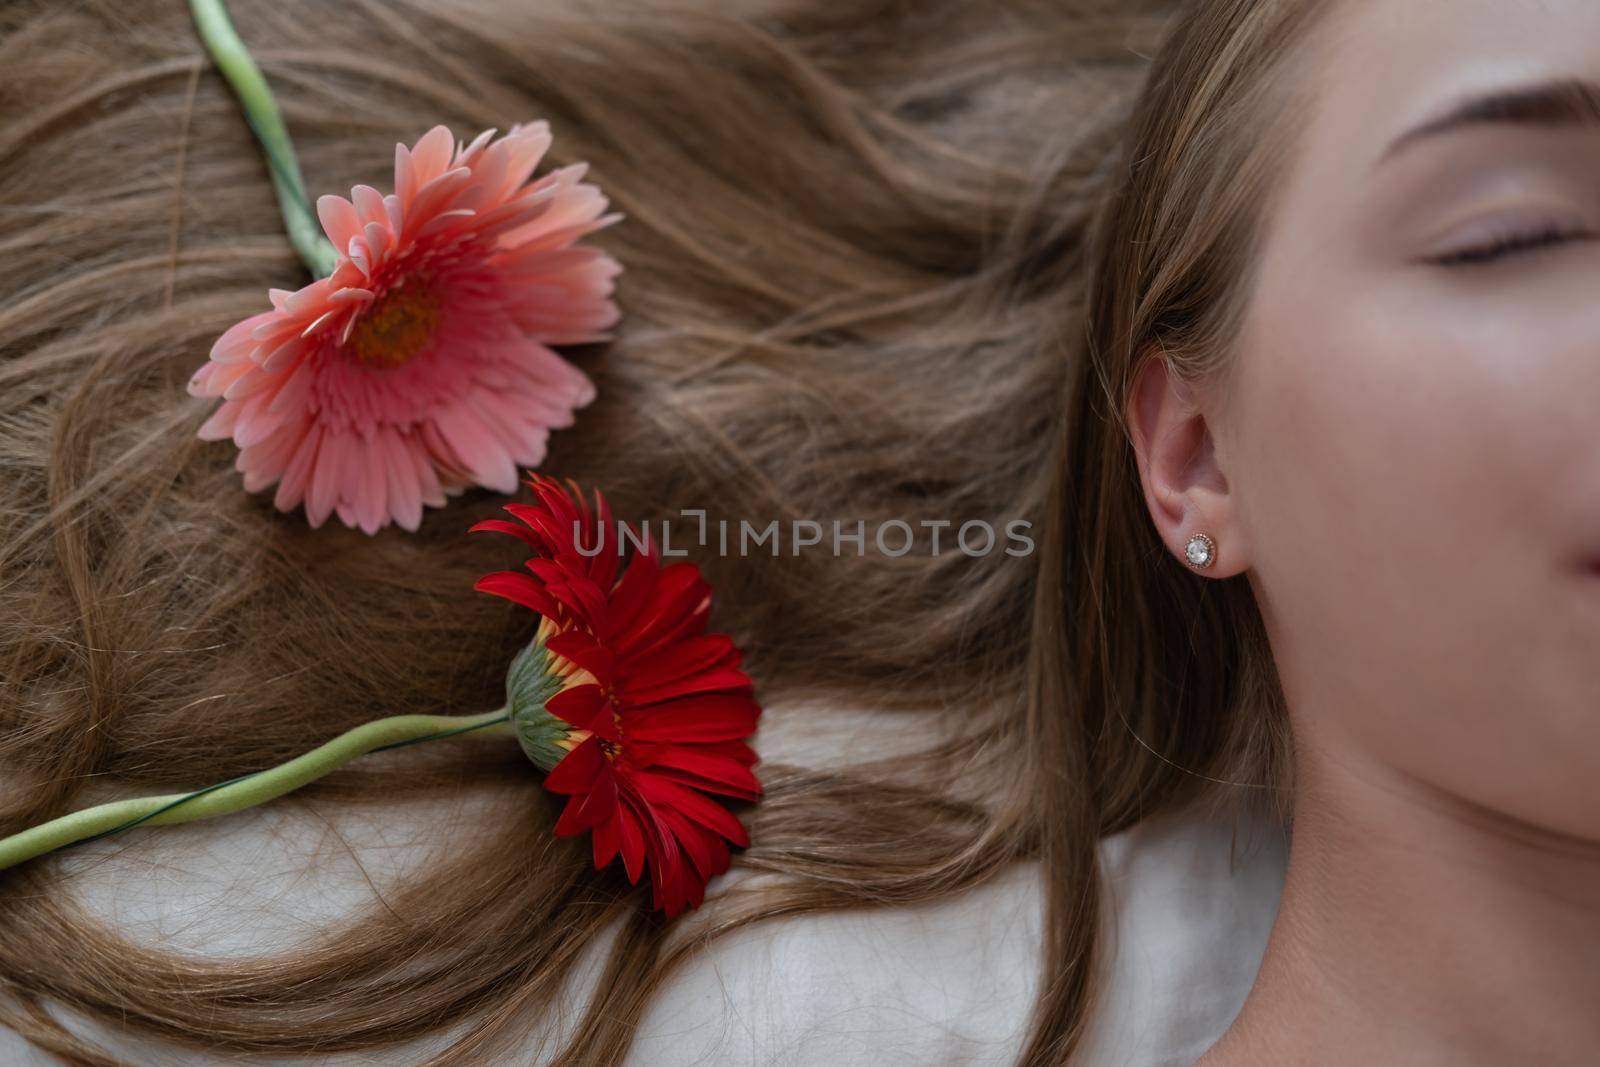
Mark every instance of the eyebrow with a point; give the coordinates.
(1572, 102)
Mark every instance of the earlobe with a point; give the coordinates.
(1185, 489)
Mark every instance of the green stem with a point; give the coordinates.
(237, 794)
(261, 112)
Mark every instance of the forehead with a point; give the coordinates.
(1380, 67)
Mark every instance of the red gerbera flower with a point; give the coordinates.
(638, 714)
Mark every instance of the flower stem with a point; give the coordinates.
(261, 112)
(246, 791)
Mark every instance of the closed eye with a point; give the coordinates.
(1511, 244)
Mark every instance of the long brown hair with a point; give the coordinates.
(883, 260)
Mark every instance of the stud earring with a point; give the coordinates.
(1200, 552)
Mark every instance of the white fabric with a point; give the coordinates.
(953, 983)
(950, 983)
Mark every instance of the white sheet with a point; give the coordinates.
(946, 984)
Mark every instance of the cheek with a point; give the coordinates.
(1400, 463)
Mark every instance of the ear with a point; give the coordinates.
(1185, 487)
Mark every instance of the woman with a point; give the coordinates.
(1408, 388)
(958, 262)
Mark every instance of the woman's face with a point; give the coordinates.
(1412, 447)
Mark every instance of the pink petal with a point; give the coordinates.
(485, 456)
(378, 243)
(372, 494)
(218, 378)
(443, 222)
(238, 340)
(322, 490)
(436, 196)
(405, 178)
(219, 427)
(256, 423)
(569, 385)
(350, 472)
(550, 233)
(264, 463)
(248, 384)
(525, 151)
(356, 249)
(396, 210)
(469, 153)
(291, 490)
(369, 206)
(405, 489)
(447, 463)
(432, 154)
(427, 475)
(295, 389)
(283, 355)
(339, 220)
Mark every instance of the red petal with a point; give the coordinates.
(695, 844)
(680, 887)
(632, 843)
(552, 532)
(591, 596)
(678, 590)
(632, 593)
(711, 681)
(704, 785)
(502, 526)
(603, 567)
(645, 753)
(559, 504)
(660, 846)
(519, 589)
(584, 650)
(685, 658)
(584, 810)
(577, 769)
(691, 624)
(734, 750)
(697, 806)
(708, 773)
(576, 591)
(717, 717)
(607, 839)
(580, 705)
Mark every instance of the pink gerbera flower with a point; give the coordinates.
(421, 365)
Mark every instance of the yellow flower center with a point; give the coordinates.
(573, 675)
(396, 328)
